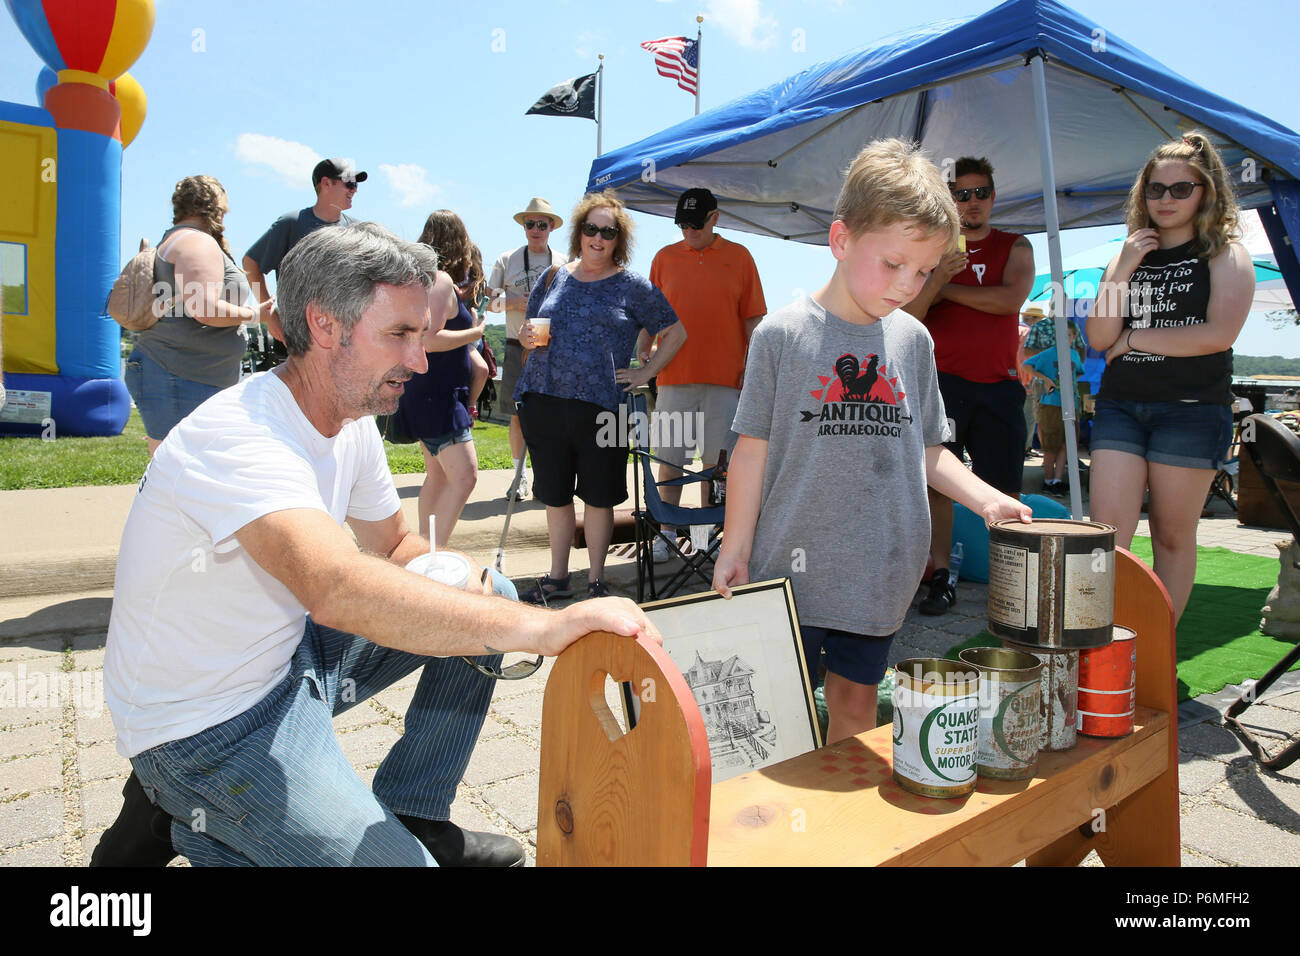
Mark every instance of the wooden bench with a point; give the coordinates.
(644, 798)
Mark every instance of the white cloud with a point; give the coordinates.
(410, 182)
(291, 162)
(743, 21)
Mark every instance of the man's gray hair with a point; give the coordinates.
(337, 268)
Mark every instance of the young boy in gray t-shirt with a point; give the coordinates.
(841, 427)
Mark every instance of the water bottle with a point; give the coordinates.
(718, 484)
(954, 564)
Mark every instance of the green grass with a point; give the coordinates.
(121, 459)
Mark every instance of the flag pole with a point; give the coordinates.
(699, 61)
(600, 99)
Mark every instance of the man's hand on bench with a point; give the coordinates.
(614, 614)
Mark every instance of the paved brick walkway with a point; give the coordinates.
(61, 778)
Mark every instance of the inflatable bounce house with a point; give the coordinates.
(60, 215)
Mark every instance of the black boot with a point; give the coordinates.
(141, 834)
(942, 594)
(452, 846)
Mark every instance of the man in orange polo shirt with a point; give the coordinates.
(713, 286)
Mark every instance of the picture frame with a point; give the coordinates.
(743, 659)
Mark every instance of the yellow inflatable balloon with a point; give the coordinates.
(130, 96)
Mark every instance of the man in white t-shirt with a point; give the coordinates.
(240, 596)
(512, 279)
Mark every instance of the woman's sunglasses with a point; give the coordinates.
(1177, 190)
(590, 229)
(979, 192)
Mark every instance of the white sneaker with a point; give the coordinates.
(660, 550)
(522, 489)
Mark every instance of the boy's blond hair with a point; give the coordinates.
(892, 181)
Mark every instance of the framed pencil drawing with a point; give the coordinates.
(743, 660)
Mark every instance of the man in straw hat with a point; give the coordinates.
(512, 279)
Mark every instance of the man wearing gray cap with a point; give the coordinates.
(335, 182)
(513, 277)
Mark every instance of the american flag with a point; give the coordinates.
(678, 59)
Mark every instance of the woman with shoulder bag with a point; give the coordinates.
(195, 349)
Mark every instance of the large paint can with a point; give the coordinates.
(1108, 687)
(1010, 697)
(936, 726)
(1058, 687)
(1052, 582)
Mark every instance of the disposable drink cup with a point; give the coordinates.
(444, 567)
(542, 328)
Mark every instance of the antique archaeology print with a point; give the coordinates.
(743, 661)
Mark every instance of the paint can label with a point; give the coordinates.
(1089, 599)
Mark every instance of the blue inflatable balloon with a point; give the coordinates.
(44, 80)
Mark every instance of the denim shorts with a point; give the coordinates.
(861, 658)
(162, 398)
(1182, 434)
(436, 445)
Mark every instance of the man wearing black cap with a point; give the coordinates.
(713, 286)
(335, 182)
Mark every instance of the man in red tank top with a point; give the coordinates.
(971, 306)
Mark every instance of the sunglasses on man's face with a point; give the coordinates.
(979, 192)
(349, 186)
(1177, 190)
(542, 224)
(590, 229)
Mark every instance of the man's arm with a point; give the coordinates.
(316, 559)
(949, 266)
(1009, 296)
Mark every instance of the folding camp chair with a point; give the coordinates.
(651, 513)
(1275, 451)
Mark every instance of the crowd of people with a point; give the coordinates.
(235, 558)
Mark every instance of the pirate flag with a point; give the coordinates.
(576, 97)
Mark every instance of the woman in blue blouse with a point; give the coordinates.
(571, 384)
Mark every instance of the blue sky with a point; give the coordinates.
(429, 98)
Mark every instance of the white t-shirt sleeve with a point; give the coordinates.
(242, 478)
(373, 497)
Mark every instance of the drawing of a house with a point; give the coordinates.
(739, 732)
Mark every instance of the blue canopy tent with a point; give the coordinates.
(1063, 107)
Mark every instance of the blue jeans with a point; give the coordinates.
(162, 398)
(1182, 434)
(272, 787)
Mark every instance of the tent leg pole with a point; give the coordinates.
(1052, 219)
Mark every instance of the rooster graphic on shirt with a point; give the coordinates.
(860, 398)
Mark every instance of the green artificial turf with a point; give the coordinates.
(1219, 641)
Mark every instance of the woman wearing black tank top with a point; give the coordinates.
(1169, 307)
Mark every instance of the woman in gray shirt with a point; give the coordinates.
(195, 349)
